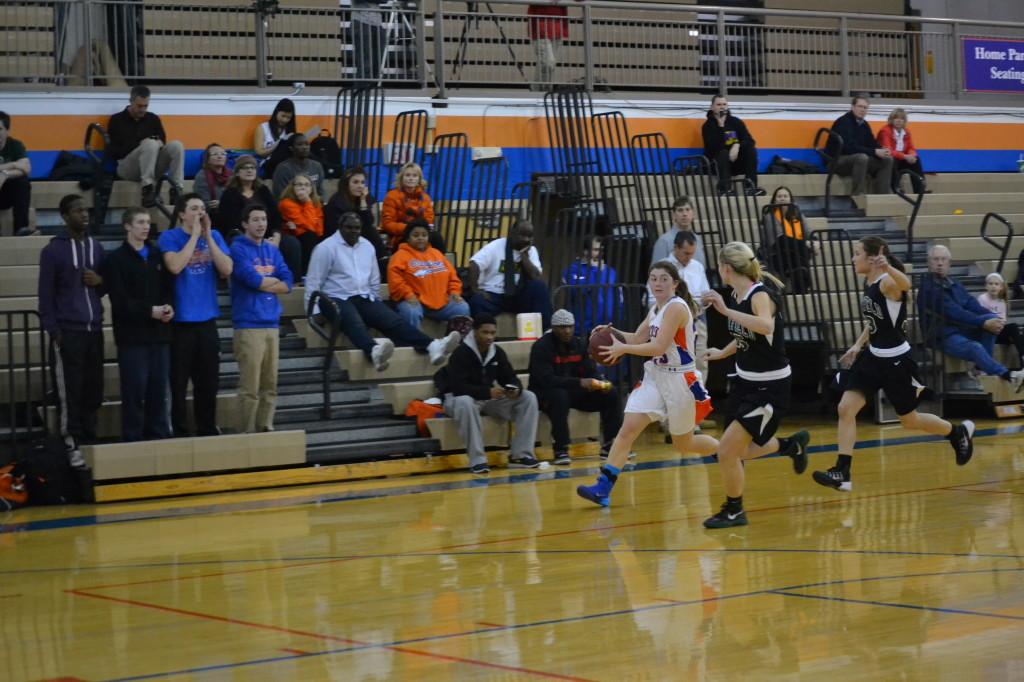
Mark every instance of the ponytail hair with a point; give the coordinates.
(740, 257)
(682, 290)
(874, 246)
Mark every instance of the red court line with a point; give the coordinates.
(297, 652)
(489, 625)
(994, 492)
(10, 596)
(836, 500)
(328, 638)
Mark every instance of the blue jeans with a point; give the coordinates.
(975, 346)
(358, 314)
(413, 313)
(531, 297)
(145, 380)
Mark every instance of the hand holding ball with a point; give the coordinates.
(601, 339)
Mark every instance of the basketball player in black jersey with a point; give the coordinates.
(887, 364)
(759, 396)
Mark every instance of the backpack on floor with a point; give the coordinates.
(325, 149)
(13, 493)
(49, 477)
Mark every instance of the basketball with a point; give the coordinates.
(600, 339)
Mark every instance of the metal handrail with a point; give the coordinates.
(828, 160)
(329, 334)
(1005, 248)
(916, 203)
(23, 412)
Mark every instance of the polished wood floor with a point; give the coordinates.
(918, 574)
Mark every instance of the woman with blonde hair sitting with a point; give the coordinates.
(409, 201)
(895, 136)
(302, 214)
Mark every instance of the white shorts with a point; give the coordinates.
(664, 394)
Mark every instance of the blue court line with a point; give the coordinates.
(869, 602)
(571, 619)
(514, 552)
(260, 505)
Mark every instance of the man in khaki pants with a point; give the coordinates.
(139, 144)
(259, 274)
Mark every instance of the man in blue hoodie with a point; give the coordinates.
(72, 314)
(258, 274)
(953, 320)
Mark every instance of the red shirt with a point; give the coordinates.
(555, 28)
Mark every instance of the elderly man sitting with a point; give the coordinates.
(954, 321)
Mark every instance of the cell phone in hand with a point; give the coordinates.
(511, 387)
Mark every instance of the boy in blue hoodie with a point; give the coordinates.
(258, 274)
(72, 315)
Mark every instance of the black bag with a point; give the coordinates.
(70, 166)
(325, 150)
(782, 166)
(51, 479)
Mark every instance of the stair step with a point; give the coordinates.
(357, 452)
(370, 437)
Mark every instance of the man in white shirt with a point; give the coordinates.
(506, 276)
(693, 272)
(682, 221)
(344, 268)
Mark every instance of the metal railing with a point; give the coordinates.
(24, 361)
(1004, 247)
(915, 204)
(598, 44)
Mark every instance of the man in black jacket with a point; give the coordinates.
(479, 379)
(861, 154)
(139, 145)
(564, 377)
(141, 292)
(729, 144)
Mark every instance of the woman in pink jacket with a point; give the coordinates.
(896, 138)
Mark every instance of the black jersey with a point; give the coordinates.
(759, 357)
(886, 321)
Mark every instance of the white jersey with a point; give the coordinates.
(679, 355)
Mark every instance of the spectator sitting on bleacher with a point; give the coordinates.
(139, 145)
(896, 138)
(15, 169)
(729, 144)
(70, 289)
(353, 196)
(195, 255)
(479, 380)
(270, 141)
(141, 296)
(344, 268)
(409, 201)
(302, 215)
(298, 163)
(955, 322)
(564, 377)
(421, 281)
(682, 221)
(594, 304)
(212, 178)
(786, 245)
(506, 276)
(861, 155)
(258, 275)
(996, 299)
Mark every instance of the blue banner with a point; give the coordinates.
(993, 65)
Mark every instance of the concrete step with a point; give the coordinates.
(944, 204)
(406, 363)
(358, 452)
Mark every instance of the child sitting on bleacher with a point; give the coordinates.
(996, 299)
(302, 214)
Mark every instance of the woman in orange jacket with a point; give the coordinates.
(896, 138)
(422, 281)
(302, 214)
(409, 201)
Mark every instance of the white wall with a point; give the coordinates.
(992, 10)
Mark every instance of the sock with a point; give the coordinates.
(734, 503)
(784, 444)
(953, 432)
(844, 462)
(611, 473)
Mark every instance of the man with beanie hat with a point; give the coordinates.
(564, 377)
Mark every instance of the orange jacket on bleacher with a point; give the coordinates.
(427, 275)
(400, 207)
(308, 217)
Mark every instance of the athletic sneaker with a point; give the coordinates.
(440, 349)
(1017, 379)
(797, 450)
(597, 493)
(480, 469)
(726, 519)
(75, 459)
(834, 478)
(962, 440)
(562, 459)
(381, 353)
(524, 462)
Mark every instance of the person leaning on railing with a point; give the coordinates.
(548, 27)
(895, 137)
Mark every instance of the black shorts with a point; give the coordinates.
(759, 406)
(897, 376)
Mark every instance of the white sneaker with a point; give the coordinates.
(381, 353)
(75, 459)
(1017, 379)
(440, 349)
